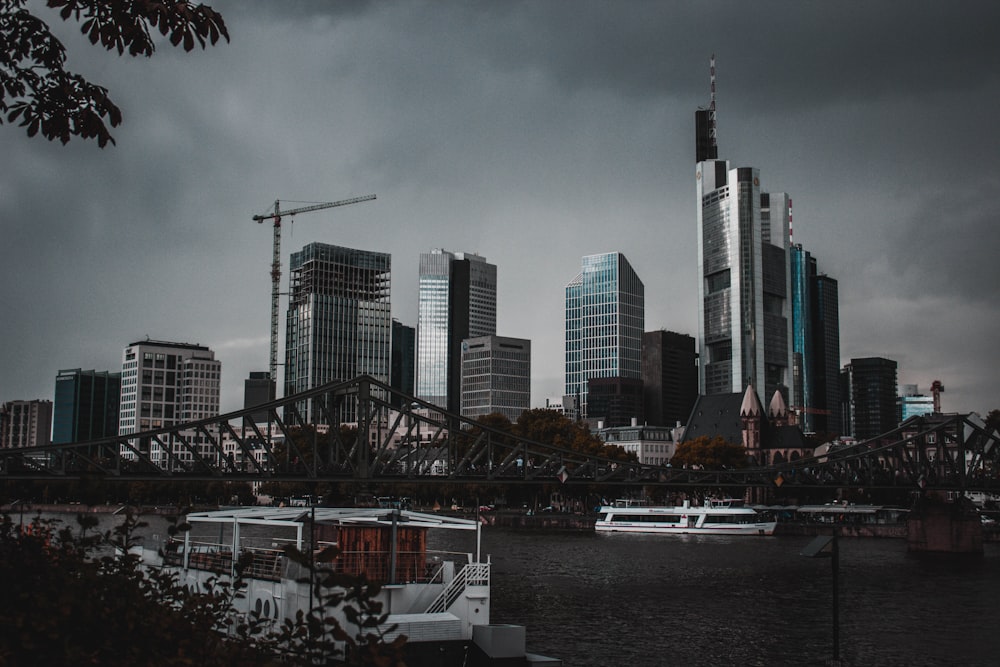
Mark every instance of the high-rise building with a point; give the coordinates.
(496, 376)
(815, 396)
(911, 403)
(457, 300)
(825, 377)
(164, 384)
(868, 387)
(744, 309)
(605, 316)
(86, 405)
(258, 389)
(25, 423)
(404, 358)
(614, 401)
(669, 377)
(339, 322)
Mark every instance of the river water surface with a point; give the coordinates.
(607, 600)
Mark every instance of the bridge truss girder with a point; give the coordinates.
(397, 438)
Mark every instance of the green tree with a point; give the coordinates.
(37, 90)
(714, 454)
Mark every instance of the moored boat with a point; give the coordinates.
(430, 597)
(727, 516)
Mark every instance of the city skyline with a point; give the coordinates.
(498, 130)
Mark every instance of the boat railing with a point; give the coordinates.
(269, 563)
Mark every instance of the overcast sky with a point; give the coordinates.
(532, 133)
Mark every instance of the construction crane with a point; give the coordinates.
(936, 390)
(276, 262)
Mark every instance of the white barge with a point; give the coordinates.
(430, 597)
(718, 517)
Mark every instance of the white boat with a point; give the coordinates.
(430, 597)
(718, 517)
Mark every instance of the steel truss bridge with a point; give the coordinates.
(392, 438)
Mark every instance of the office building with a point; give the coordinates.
(86, 405)
(258, 389)
(457, 300)
(614, 401)
(404, 358)
(744, 309)
(339, 322)
(605, 317)
(25, 423)
(868, 387)
(825, 376)
(669, 377)
(496, 376)
(166, 384)
(911, 403)
(815, 395)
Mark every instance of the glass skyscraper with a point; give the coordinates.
(605, 316)
(744, 286)
(339, 322)
(457, 300)
(86, 405)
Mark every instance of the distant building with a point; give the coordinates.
(652, 445)
(457, 300)
(496, 376)
(815, 395)
(669, 377)
(614, 401)
(339, 324)
(258, 389)
(86, 405)
(911, 403)
(402, 372)
(165, 384)
(605, 317)
(868, 388)
(25, 423)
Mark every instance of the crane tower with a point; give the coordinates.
(276, 262)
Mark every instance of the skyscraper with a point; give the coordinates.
(869, 392)
(669, 376)
(457, 300)
(258, 389)
(339, 324)
(86, 405)
(815, 345)
(165, 384)
(404, 357)
(605, 316)
(744, 316)
(496, 376)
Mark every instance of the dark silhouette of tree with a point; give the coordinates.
(714, 454)
(39, 93)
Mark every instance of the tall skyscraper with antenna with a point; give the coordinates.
(744, 318)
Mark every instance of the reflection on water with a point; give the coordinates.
(638, 600)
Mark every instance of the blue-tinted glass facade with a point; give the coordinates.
(605, 316)
(339, 323)
(86, 405)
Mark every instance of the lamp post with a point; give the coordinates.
(818, 549)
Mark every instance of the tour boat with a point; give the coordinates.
(717, 517)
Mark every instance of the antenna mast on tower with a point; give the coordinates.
(711, 106)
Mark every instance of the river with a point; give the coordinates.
(604, 600)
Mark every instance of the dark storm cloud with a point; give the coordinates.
(533, 133)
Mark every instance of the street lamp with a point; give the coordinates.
(818, 549)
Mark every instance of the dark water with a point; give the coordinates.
(606, 600)
(596, 600)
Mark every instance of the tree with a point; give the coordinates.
(713, 454)
(37, 89)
